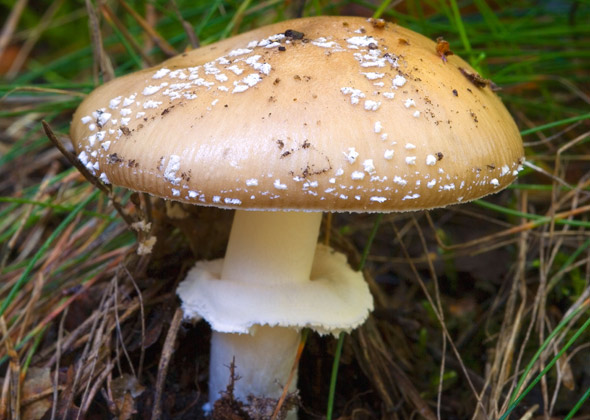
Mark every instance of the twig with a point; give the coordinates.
(441, 321)
(287, 385)
(118, 328)
(190, 32)
(434, 279)
(13, 373)
(375, 355)
(164, 362)
(156, 37)
(97, 384)
(60, 334)
(554, 177)
(4, 397)
(9, 246)
(33, 38)
(113, 19)
(513, 230)
(91, 178)
(142, 314)
(38, 99)
(98, 328)
(100, 57)
(233, 26)
(11, 23)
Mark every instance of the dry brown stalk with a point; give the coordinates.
(155, 36)
(11, 23)
(102, 63)
(114, 20)
(439, 315)
(33, 38)
(512, 231)
(167, 351)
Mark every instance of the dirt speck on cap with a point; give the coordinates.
(290, 33)
(443, 49)
(377, 23)
(114, 158)
(475, 78)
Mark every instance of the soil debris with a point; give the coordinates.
(478, 81)
(377, 23)
(443, 49)
(293, 34)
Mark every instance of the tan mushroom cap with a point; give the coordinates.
(336, 114)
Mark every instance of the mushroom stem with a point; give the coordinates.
(263, 361)
(269, 248)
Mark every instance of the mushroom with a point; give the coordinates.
(281, 124)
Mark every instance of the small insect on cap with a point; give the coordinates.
(324, 113)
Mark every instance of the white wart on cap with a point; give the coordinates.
(318, 114)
